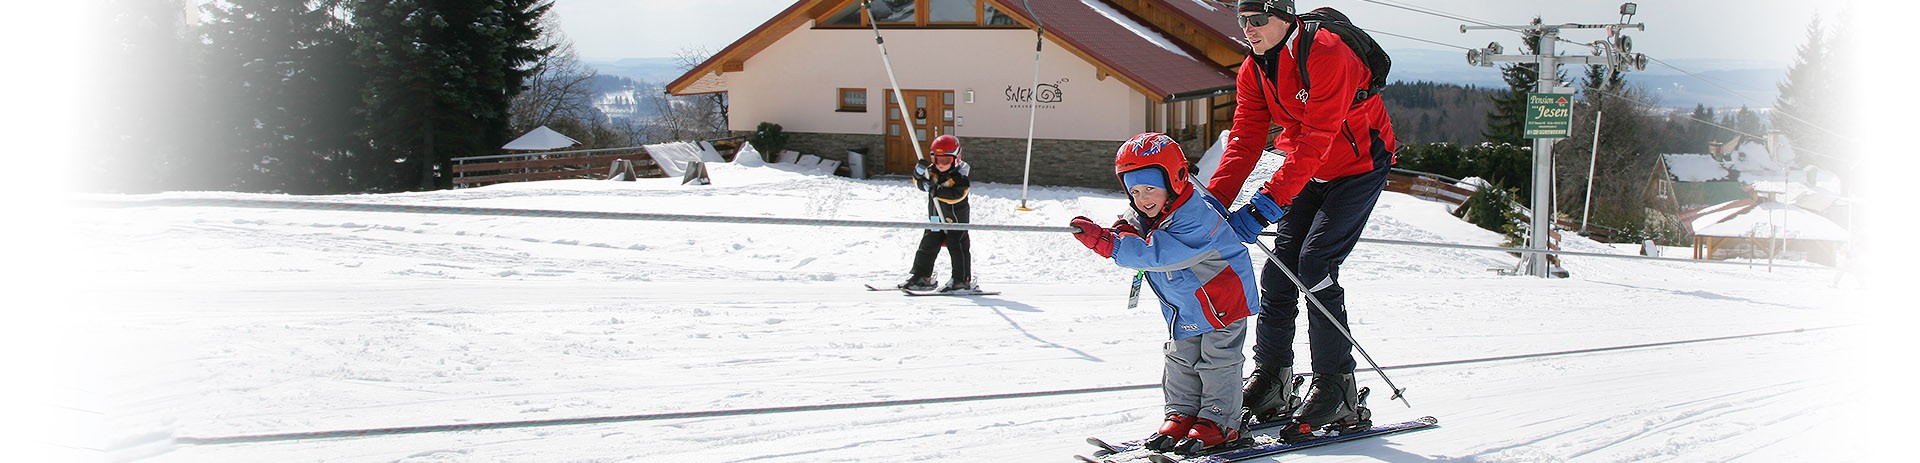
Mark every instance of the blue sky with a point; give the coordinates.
(1767, 30)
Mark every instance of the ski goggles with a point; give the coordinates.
(1256, 20)
(940, 158)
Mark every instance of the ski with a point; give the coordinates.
(962, 292)
(1256, 446)
(1107, 448)
(911, 292)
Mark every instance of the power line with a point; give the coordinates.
(1425, 10)
(1708, 122)
(1457, 17)
(1442, 14)
(1776, 109)
(1417, 39)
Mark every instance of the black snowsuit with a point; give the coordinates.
(947, 203)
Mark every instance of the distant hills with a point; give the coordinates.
(656, 71)
(1745, 82)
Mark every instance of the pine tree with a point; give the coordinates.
(1807, 107)
(1698, 130)
(146, 129)
(443, 75)
(1748, 122)
(289, 91)
(1622, 161)
(1507, 124)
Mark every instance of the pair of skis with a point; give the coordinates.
(1263, 440)
(911, 292)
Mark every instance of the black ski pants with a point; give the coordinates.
(1319, 230)
(957, 249)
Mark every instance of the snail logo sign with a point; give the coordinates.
(1549, 115)
(1046, 95)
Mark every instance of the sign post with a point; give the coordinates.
(1549, 112)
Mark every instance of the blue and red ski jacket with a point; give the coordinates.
(1195, 263)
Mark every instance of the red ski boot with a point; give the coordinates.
(1205, 435)
(1171, 431)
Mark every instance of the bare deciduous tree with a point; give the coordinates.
(686, 117)
(561, 87)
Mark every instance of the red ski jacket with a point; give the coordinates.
(1325, 135)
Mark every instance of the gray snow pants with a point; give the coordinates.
(1203, 374)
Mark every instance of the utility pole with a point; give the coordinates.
(1618, 52)
(1593, 163)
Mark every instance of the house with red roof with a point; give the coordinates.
(1108, 69)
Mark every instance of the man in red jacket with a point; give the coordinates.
(1339, 146)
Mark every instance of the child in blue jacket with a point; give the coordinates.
(1204, 277)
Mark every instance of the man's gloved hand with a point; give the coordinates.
(1100, 240)
(920, 169)
(1123, 226)
(1259, 212)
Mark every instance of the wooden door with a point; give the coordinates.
(929, 114)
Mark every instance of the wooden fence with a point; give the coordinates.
(551, 165)
(1441, 188)
(1429, 186)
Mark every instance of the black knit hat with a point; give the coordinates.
(1278, 7)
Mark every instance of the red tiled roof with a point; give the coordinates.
(1164, 73)
(1218, 19)
(1144, 65)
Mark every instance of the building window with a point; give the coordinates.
(894, 11)
(898, 13)
(853, 100)
(995, 18)
(846, 17)
(953, 11)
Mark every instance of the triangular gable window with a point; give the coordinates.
(899, 13)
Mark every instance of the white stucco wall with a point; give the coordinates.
(795, 83)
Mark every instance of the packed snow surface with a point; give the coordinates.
(211, 322)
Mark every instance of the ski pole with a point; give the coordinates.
(1133, 295)
(906, 117)
(1398, 392)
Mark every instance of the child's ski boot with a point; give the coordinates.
(958, 285)
(1171, 432)
(917, 284)
(1205, 435)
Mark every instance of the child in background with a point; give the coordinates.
(1204, 277)
(946, 185)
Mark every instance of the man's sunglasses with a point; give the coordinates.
(1258, 20)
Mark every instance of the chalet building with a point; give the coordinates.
(1108, 69)
(1745, 198)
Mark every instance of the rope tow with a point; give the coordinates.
(551, 213)
(345, 433)
(659, 217)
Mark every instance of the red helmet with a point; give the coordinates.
(946, 145)
(1153, 149)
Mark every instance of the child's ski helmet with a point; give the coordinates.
(946, 145)
(1156, 150)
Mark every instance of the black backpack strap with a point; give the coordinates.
(1304, 45)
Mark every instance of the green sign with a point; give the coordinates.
(1549, 115)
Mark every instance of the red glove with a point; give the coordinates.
(1100, 240)
(1123, 226)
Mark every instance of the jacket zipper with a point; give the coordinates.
(1351, 143)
